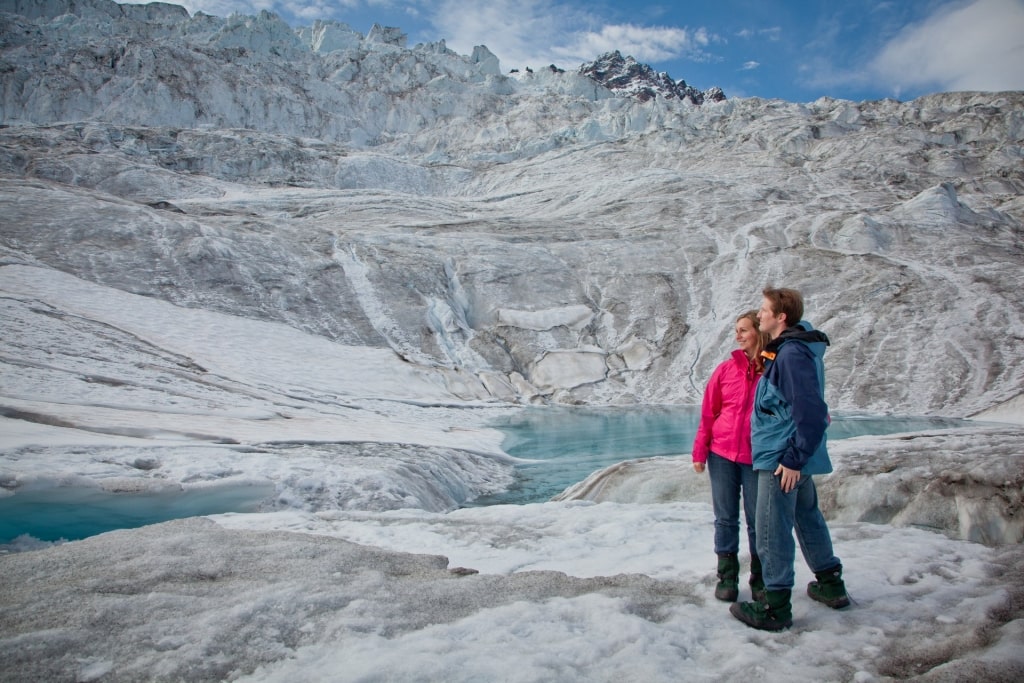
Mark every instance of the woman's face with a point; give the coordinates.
(746, 337)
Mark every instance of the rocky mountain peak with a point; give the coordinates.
(626, 76)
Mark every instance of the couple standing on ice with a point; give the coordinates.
(762, 436)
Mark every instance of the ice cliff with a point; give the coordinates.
(535, 235)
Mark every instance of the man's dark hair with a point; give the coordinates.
(788, 301)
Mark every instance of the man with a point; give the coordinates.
(788, 441)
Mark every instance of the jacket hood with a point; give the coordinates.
(803, 331)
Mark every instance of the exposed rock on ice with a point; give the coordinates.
(626, 75)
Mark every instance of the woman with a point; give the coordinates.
(723, 445)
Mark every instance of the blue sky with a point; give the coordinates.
(797, 50)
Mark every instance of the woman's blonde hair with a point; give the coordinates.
(762, 337)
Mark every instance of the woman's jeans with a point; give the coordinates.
(728, 480)
(778, 514)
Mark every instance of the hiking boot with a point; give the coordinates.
(829, 589)
(728, 588)
(772, 613)
(756, 582)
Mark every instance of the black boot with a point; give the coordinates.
(728, 587)
(829, 589)
(756, 582)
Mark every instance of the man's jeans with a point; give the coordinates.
(778, 514)
(728, 479)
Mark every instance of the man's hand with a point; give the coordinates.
(790, 478)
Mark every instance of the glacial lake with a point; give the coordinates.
(563, 445)
(71, 513)
(567, 444)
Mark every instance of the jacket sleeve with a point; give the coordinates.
(710, 409)
(799, 385)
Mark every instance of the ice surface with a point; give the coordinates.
(565, 591)
(232, 254)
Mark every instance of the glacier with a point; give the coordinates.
(236, 253)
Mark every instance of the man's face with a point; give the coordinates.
(771, 323)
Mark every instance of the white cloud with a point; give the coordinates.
(773, 33)
(509, 30)
(536, 33)
(977, 46)
(647, 44)
(748, 66)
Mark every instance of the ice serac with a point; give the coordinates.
(532, 236)
(50, 9)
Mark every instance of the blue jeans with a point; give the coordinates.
(728, 480)
(778, 514)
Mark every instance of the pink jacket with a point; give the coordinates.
(725, 413)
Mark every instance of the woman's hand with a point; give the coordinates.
(698, 467)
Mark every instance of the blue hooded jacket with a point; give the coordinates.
(790, 414)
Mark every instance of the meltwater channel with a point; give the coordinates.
(561, 446)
